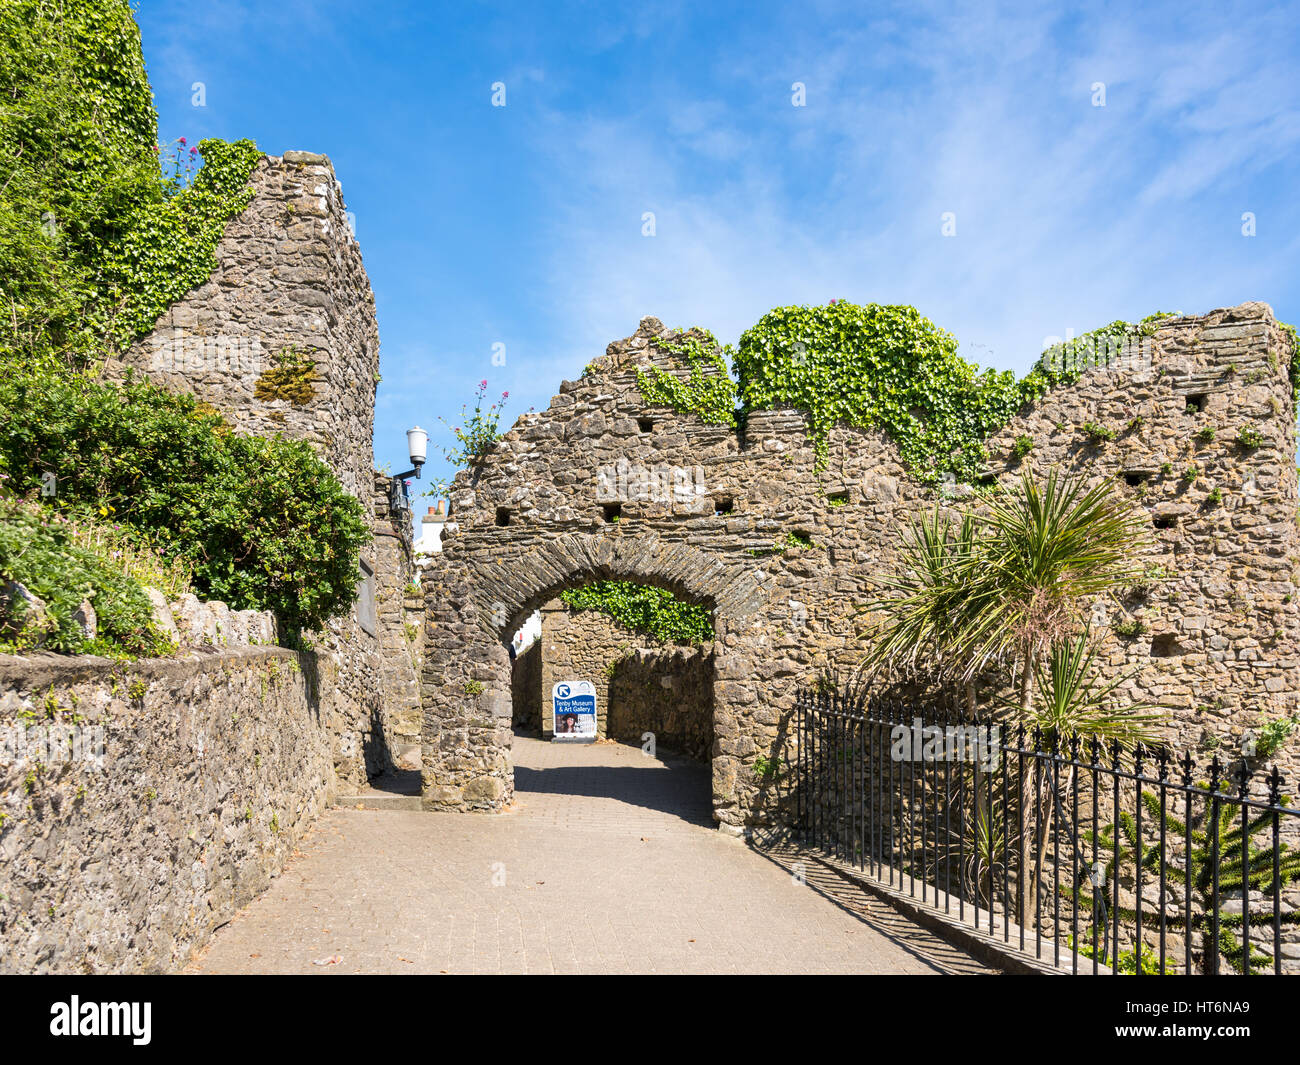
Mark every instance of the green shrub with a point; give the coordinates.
(1249, 437)
(42, 550)
(262, 522)
(1022, 447)
(1096, 432)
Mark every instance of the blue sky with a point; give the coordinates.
(522, 225)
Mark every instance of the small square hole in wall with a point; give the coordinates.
(1133, 478)
(1166, 522)
(612, 511)
(723, 505)
(1197, 403)
(837, 499)
(503, 515)
(645, 424)
(1165, 645)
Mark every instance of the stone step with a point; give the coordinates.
(378, 801)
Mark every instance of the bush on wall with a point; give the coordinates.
(262, 522)
(43, 551)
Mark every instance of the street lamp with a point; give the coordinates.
(417, 446)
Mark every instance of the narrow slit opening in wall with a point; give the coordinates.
(837, 499)
(503, 515)
(723, 505)
(1167, 522)
(1133, 478)
(645, 424)
(612, 511)
(1197, 402)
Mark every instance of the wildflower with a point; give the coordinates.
(505, 395)
(182, 140)
(482, 384)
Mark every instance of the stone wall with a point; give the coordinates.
(289, 279)
(575, 493)
(290, 283)
(213, 766)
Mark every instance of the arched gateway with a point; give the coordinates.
(785, 549)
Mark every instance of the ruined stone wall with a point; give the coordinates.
(289, 280)
(213, 765)
(564, 498)
(289, 285)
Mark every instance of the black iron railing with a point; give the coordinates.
(1130, 861)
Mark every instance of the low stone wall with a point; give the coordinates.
(210, 768)
(668, 692)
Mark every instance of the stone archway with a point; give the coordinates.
(467, 698)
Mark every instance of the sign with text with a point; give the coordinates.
(574, 706)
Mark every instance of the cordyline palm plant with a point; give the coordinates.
(1013, 585)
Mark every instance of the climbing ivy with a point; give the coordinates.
(652, 611)
(95, 241)
(886, 367)
(709, 391)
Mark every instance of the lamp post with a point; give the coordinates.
(417, 446)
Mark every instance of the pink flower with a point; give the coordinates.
(482, 384)
(194, 151)
(182, 140)
(505, 395)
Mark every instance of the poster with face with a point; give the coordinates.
(574, 705)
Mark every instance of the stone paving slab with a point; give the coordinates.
(608, 862)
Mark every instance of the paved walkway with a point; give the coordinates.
(607, 862)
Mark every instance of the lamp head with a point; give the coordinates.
(417, 444)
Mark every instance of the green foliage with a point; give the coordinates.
(1191, 474)
(767, 769)
(40, 549)
(1023, 446)
(1214, 497)
(883, 367)
(95, 241)
(1009, 582)
(1294, 366)
(1127, 962)
(1097, 433)
(473, 687)
(262, 522)
(477, 432)
(708, 392)
(1120, 847)
(1205, 434)
(652, 611)
(1249, 437)
(1273, 734)
(1130, 628)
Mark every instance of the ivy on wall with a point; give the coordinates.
(95, 241)
(885, 367)
(645, 609)
(709, 391)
